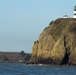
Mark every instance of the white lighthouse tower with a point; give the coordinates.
(74, 16)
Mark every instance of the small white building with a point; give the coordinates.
(65, 16)
(74, 16)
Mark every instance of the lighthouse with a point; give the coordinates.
(74, 16)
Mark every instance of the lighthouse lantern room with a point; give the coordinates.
(74, 16)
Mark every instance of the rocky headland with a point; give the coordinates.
(56, 44)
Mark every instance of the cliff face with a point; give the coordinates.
(56, 43)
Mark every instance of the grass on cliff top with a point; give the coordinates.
(55, 27)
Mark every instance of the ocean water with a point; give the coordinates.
(23, 69)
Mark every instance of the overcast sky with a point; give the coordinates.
(22, 21)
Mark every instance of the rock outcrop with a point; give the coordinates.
(56, 44)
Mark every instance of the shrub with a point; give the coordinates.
(51, 22)
(22, 53)
(6, 59)
(73, 27)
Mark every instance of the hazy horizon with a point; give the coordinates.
(22, 21)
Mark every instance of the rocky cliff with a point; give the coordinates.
(56, 44)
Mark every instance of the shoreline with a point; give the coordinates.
(41, 64)
(50, 64)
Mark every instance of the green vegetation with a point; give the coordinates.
(73, 28)
(6, 59)
(51, 22)
(27, 58)
(22, 53)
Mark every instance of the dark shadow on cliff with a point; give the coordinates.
(66, 57)
(65, 60)
(44, 61)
